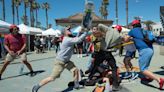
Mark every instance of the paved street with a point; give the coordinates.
(12, 81)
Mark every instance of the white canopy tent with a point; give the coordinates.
(58, 33)
(50, 31)
(4, 27)
(29, 30)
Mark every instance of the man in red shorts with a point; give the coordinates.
(15, 44)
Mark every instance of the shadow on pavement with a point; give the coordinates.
(123, 89)
(30, 60)
(149, 85)
(162, 67)
(70, 88)
(26, 73)
(159, 72)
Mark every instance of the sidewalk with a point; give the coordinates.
(14, 82)
(32, 56)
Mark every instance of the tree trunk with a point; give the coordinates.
(47, 18)
(127, 13)
(3, 5)
(25, 14)
(13, 11)
(117, 12)
(17, 14)
(36, 17)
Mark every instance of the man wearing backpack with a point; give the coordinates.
(145, 52)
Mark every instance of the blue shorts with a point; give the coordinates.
(145, 56)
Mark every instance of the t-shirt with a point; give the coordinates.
(15, 42)
(112, 36)
(96, 43)
(137, 35)
(88, 38)
(67, 46)
(130, 47)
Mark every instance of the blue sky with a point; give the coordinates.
(147, 9)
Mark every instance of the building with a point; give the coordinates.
(157, 29)
(76, 19)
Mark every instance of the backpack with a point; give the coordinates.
(149, 38)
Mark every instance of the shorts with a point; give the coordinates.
(59, 66)
(11, 58)
(130, 54)
(145, 56)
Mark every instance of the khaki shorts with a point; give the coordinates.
(11, 58)
(59, 66)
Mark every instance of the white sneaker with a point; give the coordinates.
(134, 75)
(76, 86)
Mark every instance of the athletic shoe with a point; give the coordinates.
(161, 83)
(76, 85)
(127, 75)
(32, 73)
(35, 88)
(134, 75)
(162, 67)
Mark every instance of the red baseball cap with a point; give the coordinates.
(13, 26)
(119, 28)
(135, 22)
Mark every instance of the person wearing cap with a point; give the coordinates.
(63, 60)
(15, 44)
(108, 36)
(145, 52)
(119, 29)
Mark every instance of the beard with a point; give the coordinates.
(70, 35)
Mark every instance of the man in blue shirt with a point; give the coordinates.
(145, 51)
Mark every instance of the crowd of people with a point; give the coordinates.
(97, 43)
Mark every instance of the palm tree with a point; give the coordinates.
(32, 20)
(38, 24)
(13, 11)
(103, 9)
(46, 6)
(17, 4)
(25, 18)
(3, 9)
(149, 24)
(116, 11)
(36, 7)
(127, 13)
